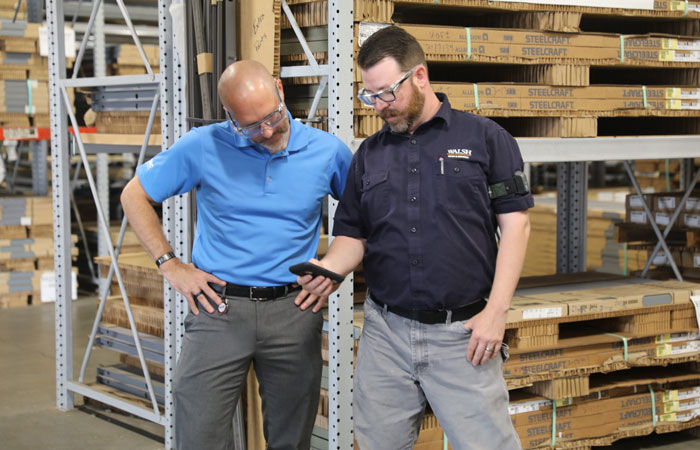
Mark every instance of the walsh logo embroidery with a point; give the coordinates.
(463, 153)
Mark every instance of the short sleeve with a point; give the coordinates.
(504, 160)
(174, 171)
(339, 169)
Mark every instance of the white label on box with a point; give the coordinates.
(667, 203)
(525, 407)
(677, 337)
(623, 4)
(367, 29)
(638, 217)
(20, 133)
(696, 302)
(696, 260)
(636, 201)
(542, 313)
(25, 221)
(660, 260)
(48, 286)
(69, 39)
(690, 347)
(694, 392)
(662, 218)
(688, 416)
(692, 204)
(691, 220)
(689, 406)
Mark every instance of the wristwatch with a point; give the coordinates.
(168, 256)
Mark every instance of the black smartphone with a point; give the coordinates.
(307, 268)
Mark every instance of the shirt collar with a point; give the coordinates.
(298, 139)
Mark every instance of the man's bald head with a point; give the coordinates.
(245, 82)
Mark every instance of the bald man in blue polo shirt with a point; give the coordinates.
(261, 178)
(424, 198)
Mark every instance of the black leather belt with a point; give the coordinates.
(259, 293)
(433, 317)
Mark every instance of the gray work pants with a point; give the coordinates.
(402, 364)
(284, 345)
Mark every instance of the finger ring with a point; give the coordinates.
(488, 349)
(198, 294)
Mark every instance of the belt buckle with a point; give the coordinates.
(251, 296)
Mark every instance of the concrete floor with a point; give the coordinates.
(30, 420)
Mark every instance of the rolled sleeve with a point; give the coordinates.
(504, 160)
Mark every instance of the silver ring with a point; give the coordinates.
(488, 349)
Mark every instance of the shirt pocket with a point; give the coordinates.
(462, 183)
(375, 194)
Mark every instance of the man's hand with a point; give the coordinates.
(192, 283)
(487, 331)
(314, 290)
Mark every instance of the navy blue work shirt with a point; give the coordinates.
(421, 201)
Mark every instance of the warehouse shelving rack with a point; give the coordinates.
(175, 211)
(177, 215)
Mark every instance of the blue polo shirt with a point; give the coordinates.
(422, 203)
(257, 213)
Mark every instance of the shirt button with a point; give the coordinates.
(269, 179)
(413, 199)
(456, 169)
(413, 141)
(413, 229)
(367, 183)
(414, 262)
(414, 170)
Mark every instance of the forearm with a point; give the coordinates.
(143, 219)
(509, 262)
(344, 254)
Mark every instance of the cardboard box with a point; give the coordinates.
(258, 37)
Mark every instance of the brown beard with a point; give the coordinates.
(411, 114)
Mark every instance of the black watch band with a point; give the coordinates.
(167, 257)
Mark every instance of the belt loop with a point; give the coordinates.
(449, 317)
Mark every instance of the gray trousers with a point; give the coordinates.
(284, 345)
(402, 364)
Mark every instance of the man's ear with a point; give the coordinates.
(281, 88)
(420, 76)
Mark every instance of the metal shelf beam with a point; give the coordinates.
(608, 148)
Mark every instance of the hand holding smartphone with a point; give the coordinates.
(307, 268)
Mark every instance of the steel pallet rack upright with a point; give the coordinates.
(338, 75)
(175, 212)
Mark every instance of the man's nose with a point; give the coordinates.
(267, 130)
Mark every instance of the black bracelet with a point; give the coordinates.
(167, 257)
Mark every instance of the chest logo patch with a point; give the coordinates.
(462, 153)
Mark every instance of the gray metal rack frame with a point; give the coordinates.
(177, 216)
(170, 100)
